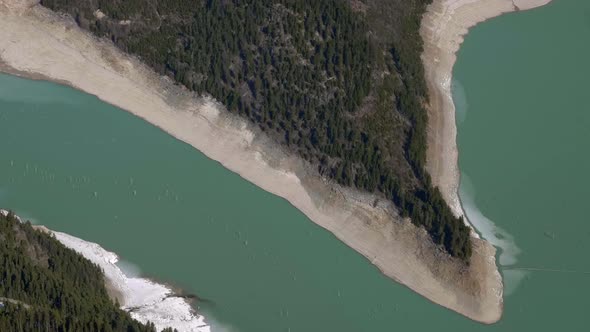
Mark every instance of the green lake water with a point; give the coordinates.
(78, 165)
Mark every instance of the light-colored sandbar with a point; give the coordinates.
(37, 43)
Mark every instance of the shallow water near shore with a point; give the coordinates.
(94, 171)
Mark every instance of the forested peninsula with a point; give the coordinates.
(338, 82)
(45, 286)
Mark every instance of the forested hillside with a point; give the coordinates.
(45, 286)
(340, 82)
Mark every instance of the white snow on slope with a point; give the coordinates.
(144, 299)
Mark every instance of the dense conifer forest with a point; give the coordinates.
(45, 286)
(340, 82)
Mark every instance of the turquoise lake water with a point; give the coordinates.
(81, 166)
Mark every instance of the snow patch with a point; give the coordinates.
(144, 299)
(497, 236)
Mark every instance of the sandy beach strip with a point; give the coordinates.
(37, 43)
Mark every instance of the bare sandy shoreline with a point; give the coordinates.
(37, 43)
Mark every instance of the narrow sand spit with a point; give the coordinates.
(443, 29)
(36, 43)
